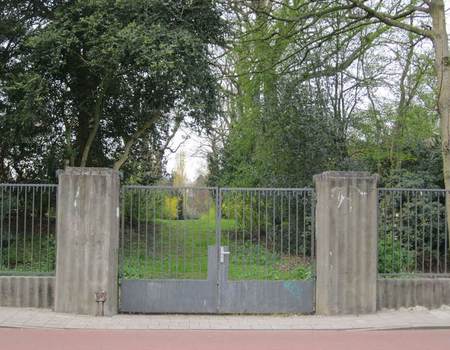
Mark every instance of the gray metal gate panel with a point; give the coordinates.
(173, 296)
(263, 297)
(270, 233)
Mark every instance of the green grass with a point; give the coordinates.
(171, 249)
(178, 249)
(28, 254)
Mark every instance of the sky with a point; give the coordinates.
(195, 163)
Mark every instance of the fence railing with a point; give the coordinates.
(413, 232)
(166, 232)
(270, 233)
(27, 229)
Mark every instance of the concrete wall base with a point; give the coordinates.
(27, 291)
(394, 293)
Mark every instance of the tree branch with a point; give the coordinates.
(391, 21)
(133, 138)
(98, 112)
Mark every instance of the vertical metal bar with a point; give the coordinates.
(304, 195)
(9, 229)
(251, 236)
(267, 235)
(297, 259)
(281, 232)
(401, 230)
(1, 228)
(218, 216)
(48, 231)
(17, 226)
(170, 231)
(378, 213)
(229, 220)
(313, 237)
(243, 235)
(40, 230)
(423, 231)
(273, 237)
(385, 235)
(186, 200)
(193, 245)
(430, 195)
(415, 234)
(393, 238)
(139, 233)
(123, 232)
(289, 235)
(161, 242)
(445, 231)
(408, 245)
(26, 189)
(55, 232)
(235, 194)
(154, 234)
(258, 277)
(130, 263)
(146, 193)
(176, 232)
(438, 230)
(32, 229)
(200, 241)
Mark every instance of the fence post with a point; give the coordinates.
(346, 233)
(87, 241)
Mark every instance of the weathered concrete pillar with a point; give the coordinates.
(88, 241)
(346, 233)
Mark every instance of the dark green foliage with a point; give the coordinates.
(282, 145)
(87, 75)
(413, 232)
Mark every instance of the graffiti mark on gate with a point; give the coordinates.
(294, 289)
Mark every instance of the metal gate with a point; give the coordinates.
(210, 250)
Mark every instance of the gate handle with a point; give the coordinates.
(222, 254)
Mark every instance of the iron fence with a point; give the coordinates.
(413, 232)
(270, 233)
(166, 232)
(27, 229)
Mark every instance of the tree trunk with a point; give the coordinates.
(440, 41)
(133, 138)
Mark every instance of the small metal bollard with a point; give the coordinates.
(101, 297)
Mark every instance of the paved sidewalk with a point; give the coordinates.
(47, 319)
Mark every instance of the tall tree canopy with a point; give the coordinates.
(365, 70)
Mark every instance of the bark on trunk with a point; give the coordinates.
(440, 41)
(133, 139)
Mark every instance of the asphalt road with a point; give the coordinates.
(37, 339)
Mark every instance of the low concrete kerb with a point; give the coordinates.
(28, 318)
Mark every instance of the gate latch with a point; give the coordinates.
(222, 254)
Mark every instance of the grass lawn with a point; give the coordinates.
(177, 249)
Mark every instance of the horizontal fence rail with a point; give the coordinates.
(270, 233)
(166, 232)
(27, 229)
(413, 232)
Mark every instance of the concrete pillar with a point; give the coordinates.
(87, 241)
(346, 234)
